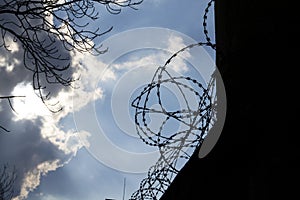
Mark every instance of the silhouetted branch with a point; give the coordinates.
(48, 29)
(1, 127)
(7, 179)
(8, 98)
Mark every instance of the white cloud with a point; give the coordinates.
(69, 142)
(89, 68)
(50, 127)
(32, 178)
(157, 58)
(30, 106)
(11, 45)
(9, 66)
(176, 43)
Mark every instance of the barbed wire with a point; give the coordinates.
(195, 121)
(204, 24)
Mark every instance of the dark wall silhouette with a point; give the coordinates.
(255, 157)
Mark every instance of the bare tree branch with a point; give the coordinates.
(8, 98)
(1, 127)
(48, 29)
(7, 179)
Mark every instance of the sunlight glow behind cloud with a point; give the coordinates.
(68, 141)
(46, 142)
(29, 107)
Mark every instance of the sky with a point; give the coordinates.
(87, 150)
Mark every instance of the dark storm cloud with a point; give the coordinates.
(25, 147)
(8, 79)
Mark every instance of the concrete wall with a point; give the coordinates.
(256, 155)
